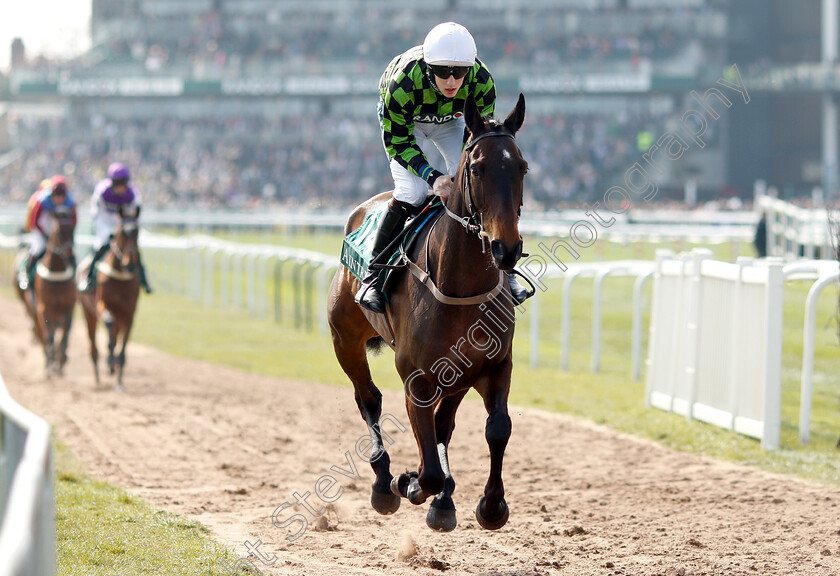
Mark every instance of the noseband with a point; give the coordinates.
(472, 223)
(118, 252)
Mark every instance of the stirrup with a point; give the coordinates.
(363, 300)
(517, 290)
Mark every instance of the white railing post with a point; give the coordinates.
(534, 320)
(638, 312)
(809, 329)
(27, 531)
(774, 313)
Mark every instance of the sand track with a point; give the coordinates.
(227, 448)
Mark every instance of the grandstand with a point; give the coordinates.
(253, 103)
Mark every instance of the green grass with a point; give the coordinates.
(611, 397)
(101, 529)
(104, 530)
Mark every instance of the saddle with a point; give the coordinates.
(358, 245)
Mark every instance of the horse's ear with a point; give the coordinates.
(137, 212)
(472, 117)
(517, 116)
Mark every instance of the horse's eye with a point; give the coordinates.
(524, 168)
(475, 171)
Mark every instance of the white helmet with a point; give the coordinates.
(449, 44)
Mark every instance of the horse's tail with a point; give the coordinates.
(375, 345)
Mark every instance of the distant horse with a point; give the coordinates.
(450, 323)
(51, 300)
(115, 298)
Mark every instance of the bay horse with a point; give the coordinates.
(450, 323)
(114, 300)
(52, 298)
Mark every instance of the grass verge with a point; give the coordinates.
(101, 529)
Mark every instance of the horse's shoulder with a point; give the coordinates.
(358, 215)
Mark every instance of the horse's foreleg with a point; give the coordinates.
(121, 358)
(91, 320)
(65, 336)
(430, 477)
(492, 511)
(111, 327)
(441, 515)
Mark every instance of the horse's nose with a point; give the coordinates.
(506, 257)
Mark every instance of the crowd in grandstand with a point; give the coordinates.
(333, 159)
(221, 40)
(251, 162)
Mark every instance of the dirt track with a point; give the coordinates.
(227, 448)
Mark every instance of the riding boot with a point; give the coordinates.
(27, 279)
(144, 282)
(392, 224)
(519, 292)
(87, 283)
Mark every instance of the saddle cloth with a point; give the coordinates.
(358, 245)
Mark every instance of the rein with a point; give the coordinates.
(120, 254)
(111, 271)
(425, 278)
(52, 275)
(64, 252)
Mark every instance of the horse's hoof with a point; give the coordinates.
(492, 523)
(399, 484)
(386, 503)
(441, 518)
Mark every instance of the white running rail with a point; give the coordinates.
(27, 501)
(715, 345)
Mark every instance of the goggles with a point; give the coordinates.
(445, 72)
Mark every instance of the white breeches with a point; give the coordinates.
(438, 142)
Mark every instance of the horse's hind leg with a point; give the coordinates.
(49, 347)
(441, 515)
(492, 511)
(352, 355)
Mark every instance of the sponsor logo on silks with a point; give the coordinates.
(436, 119)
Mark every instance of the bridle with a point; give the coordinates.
(472, 223)
(115, 248)
(63, 250)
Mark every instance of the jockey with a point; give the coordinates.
(51, 199)
(421, 104)
(33, 201)
(109, 195)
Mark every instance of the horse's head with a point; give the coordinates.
(124, 244)
(60, 241)
(491, 176)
